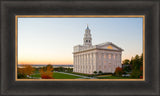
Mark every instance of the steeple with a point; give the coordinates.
(87, 27)
(87, 40)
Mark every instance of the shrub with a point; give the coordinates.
(135, 74)
(27, 70)
(46, 74)
(100, 72)
(95, 72)
(141, 77)
(118, 72)
(22, 76)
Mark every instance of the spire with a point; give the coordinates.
(87, 37)
(87, 26)
(87, 30)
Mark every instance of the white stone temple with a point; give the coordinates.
(103, 57)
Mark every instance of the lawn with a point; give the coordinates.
(37, 75)
(64, 76)
(57, 75)
(114, 77)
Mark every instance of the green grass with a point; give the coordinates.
(57, 76)
(114, 77)
(36, 75)
(83, 74)
(64, 76)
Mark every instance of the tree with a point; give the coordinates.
(69, 70)
(95, 72)
(49, 65)
(136, 62)
(126, 69)
(126, 61)
(100, 72)
(118, 72)
(47, 74)
(135, 74)
(61, 69)
(137, 66)
(26, 70)
(126, 66)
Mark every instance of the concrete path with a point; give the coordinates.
(82, 77)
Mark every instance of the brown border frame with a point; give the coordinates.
(10, 8)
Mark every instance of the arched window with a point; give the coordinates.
(86, 40)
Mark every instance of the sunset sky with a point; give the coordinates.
(51, 40)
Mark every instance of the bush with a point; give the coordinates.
(107, 74)
(95, 72)
(100, 72)
(46, 73)
(27, 70)
(22, 76)
(135, 74)
(118, 72)
(44, 76)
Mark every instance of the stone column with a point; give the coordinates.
(78, 63)
(117, 59)
(73, 63)
(85, 63)
(98, 61)
(112, 62)
(120, 61)
(102, 64)
(105, 65)
(82, 64)
(96, 56)
(91, 63)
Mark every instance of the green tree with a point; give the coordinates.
(61, 69)
(69, 70)
(126, 61)
(95, 72)
(100, 72)
(127, 67)
(137, 66)
(49, 65)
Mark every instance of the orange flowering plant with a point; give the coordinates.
(26, 70)
(46, 74)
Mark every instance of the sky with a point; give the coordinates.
(51, 40)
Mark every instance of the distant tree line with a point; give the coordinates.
(63, 69)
